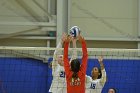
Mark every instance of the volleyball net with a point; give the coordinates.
(26, 69)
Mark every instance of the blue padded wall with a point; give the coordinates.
(24, 75)
(19, 75)
(121, 74)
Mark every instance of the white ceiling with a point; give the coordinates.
(14, 12)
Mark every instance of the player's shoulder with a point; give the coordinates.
(88, 78)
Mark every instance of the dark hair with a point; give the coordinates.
(115, 90)
(99, 76)
(50, 65)
(75, 67)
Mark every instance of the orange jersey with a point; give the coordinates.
(75, 85)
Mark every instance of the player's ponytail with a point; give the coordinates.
(74, 75)
(75, 67)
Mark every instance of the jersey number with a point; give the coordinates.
(62, 74)
(92, 86)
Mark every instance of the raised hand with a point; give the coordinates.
(100, 59)
(66, 38)
(80, 38)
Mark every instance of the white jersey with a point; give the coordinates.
(59, 81)
(95, 86)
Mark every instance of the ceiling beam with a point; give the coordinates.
(17, 33)
(35, 37)
(48, 24)
(48, 14)
(8, 4)
(28, 9)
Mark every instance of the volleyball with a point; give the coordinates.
(75, 31)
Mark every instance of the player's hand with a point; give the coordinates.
(63, 37)
(100, 59)
(80, 38)
(69, 38)
(66, 38)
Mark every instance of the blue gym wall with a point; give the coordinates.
(24, 75)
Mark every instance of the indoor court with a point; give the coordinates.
(31, 30)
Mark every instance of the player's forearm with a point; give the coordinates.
(56, 52)
(85, 55)
(74, 43)
(66, 45)
(74, 52)
(84, 48)
(66, 61)
(58, 46)
(101, 65)
(104, 77)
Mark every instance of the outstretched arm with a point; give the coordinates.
(66, 60)
(103, 78)
(56, 53)
(74, 52)
(100, 60)
(85, 55)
